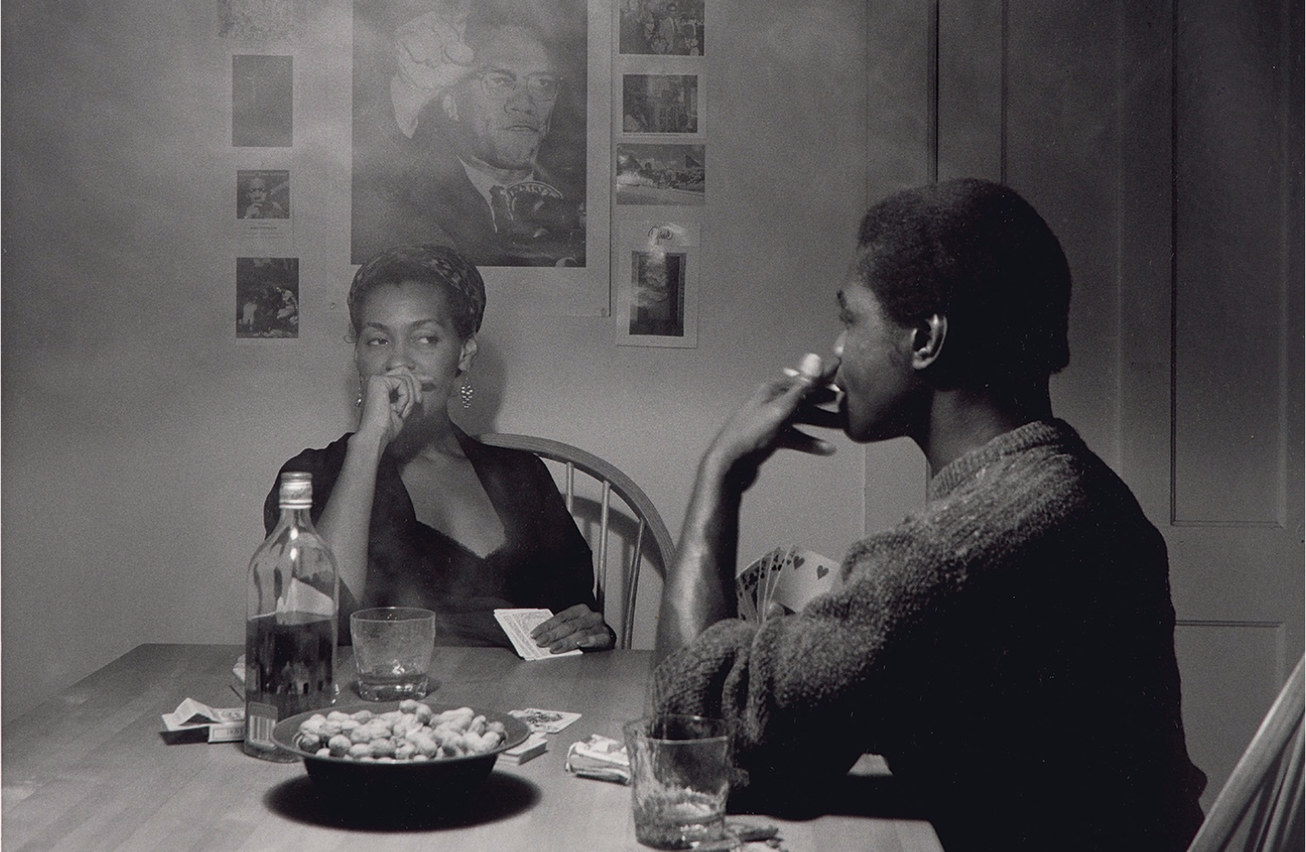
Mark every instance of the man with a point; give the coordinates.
(477, 113)
(260, 206)
(1009, 647)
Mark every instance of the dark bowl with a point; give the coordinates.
(446, 779)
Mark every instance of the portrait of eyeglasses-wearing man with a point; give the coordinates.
(471, 104)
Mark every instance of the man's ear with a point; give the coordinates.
(450, 106)
(468, 355)
(927, 340)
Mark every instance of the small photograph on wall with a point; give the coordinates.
(256, 20)
(657, 299)
(661, 27)
(267, 297)
(470, 128)
(262, 101)
(263, 194)
(658, 290)
(660, 103)
(660, 174)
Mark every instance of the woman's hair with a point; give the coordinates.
(439, 266)
(979, 254)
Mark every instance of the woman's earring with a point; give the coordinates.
(358, 400)
(465, 391)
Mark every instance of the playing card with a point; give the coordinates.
(544, 721)
(803, 576)
(753, 585)
(781, 558)
(746, 590)
(518, 624)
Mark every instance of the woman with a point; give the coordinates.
(417, 512)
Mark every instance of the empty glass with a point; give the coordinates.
(392, 651)
(680, 778)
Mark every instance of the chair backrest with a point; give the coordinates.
(650, 536)
(1266, 783)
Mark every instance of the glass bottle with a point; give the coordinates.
(290, 631)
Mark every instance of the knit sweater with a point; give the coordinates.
(1008, 648)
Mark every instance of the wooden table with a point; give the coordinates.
(87, 770)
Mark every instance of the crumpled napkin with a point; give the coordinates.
(599, 757)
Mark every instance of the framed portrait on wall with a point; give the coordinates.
(484, 125)
(661, 27)
(263, 194)
(470, 128)
(660, 174)
(661, 104)
(267, 297)
(657, 292)
(262, 101)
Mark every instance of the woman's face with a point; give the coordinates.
(407, 326)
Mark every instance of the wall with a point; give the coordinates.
(139, 436)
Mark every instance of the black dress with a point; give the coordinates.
(543, 562)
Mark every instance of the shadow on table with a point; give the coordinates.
(853, 795)
(500, 797)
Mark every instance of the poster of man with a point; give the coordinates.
(469, 128)
(263, 194)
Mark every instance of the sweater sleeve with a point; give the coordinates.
(808, 693)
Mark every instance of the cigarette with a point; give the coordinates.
(792, 373)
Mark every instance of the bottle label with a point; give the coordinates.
(260, 719)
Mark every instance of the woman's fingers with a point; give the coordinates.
(406, 391)
(575, 627)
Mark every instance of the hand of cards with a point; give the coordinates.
(518, 624)
(783, 581)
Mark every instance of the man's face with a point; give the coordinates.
(258, 191)
(875, 372)
(503, 110)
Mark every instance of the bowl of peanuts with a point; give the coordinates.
(400, 747)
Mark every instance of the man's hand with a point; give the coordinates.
(575, 627)
(766, 421)
(430, 56)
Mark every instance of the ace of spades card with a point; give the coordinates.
(783, 581)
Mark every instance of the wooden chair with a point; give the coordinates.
(644, 515)
(1266, 783)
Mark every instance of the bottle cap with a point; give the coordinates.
(296, 490)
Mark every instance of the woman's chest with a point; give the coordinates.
(448, 496)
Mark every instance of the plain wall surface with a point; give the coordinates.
(140, 437)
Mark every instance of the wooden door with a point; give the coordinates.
(1162, 141)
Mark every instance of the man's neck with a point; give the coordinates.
(961, 420)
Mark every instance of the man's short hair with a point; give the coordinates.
(979, 254)
(436, 265)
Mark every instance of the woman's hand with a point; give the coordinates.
(575, 627)
(388, 400)
(765, 422)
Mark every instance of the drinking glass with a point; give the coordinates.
(392, 651)
(680, 778)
